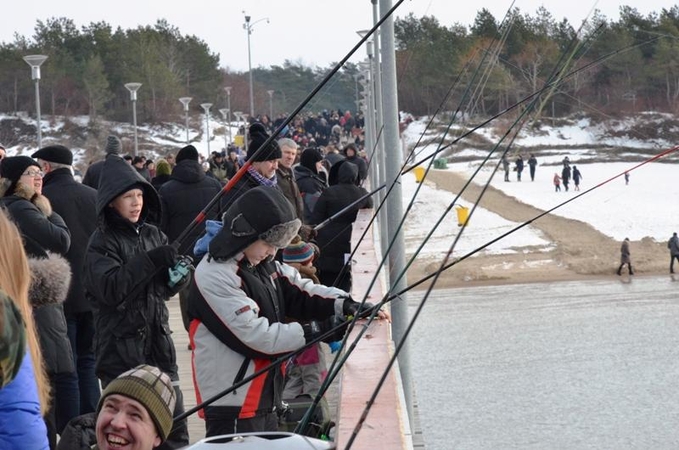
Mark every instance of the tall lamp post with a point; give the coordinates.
(245, 130)
(133, 88)
(185, 101)
(35, 61)
(248, 26)
(270, 92)
(206, 107)
(228, 108)
(225, 114)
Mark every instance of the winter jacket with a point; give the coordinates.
(36, 221)
(238, 328)
(334, 239)
(183, 198)
(219, 170)
(288, 185)
(127, 291)
(310, 186)
(673, 245)
(79, 434)
(50, 280)
(21, 423)
(625, 253)
(76, 204)
(93, 174)
(159, 180)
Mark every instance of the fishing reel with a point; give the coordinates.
(264, 440)
(180, 271)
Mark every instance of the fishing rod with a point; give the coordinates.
(202, 215)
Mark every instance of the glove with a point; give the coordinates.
(314, 329)
(334, 346)
(351, 308)
(307, 233)
(163, 256)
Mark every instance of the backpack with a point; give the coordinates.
(319, 423)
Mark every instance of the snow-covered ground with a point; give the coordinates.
(648, 206)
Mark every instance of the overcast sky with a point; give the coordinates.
(313, 32)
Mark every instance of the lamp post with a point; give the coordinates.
(225, 114)
(35, 61)
(185, 101)
(133, 87)
(228, 108)
(206, 107)
(270, 92)
(248, 26)
(245, 130)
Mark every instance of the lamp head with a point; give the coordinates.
(185, 101)
(224, 112)
(35, 61)
(133, 88)
(206, 107)
(228, 90)
(238, 114)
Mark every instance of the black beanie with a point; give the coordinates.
(11, 169)
(310, 156)
(188, 152)
(55, 154)
(271, 152)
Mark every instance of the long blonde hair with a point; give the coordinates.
(15, 279)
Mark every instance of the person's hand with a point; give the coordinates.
(307, 233)
(315, 329)
(163, 256)
(351, 308)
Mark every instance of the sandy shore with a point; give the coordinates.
(579, 252)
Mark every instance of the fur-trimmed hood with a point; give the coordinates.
(50, 280)
(25, 192)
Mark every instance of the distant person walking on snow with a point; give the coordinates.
(566, 176)
(626, 178)
(519, 167)
(505, 167)
(625, 257)
(577, 176)
(532, 163)
(673, 245)
(557, 182)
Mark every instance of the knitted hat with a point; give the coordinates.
(152, 388)
(55, 154)
(310, 156)
(113, 145)
(273, 220)
(257, 139)
(11, 169)
(163, 167)
(188, 152)
(299, 252)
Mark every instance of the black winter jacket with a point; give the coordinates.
(183, 197)
(77, 205)
(127, 291)
(334, 239)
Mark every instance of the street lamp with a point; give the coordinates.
(228, 107)
(270, 92)
(225, 113)
(133, 87)
(206, 107)
(248, 27)
(35, 61)
(185, 101)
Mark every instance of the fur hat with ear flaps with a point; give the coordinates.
(261, 213)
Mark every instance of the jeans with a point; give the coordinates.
(81, 334)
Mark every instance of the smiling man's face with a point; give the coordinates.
(125, 424)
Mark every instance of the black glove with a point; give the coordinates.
(315, 329)
(163, 256)
(351, 308)
(307, 233)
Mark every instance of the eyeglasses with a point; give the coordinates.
(33, 173)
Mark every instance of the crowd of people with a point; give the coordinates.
(90, 351)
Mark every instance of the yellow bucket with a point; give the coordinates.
(419, 174)
(462, 215)
(238, 141)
